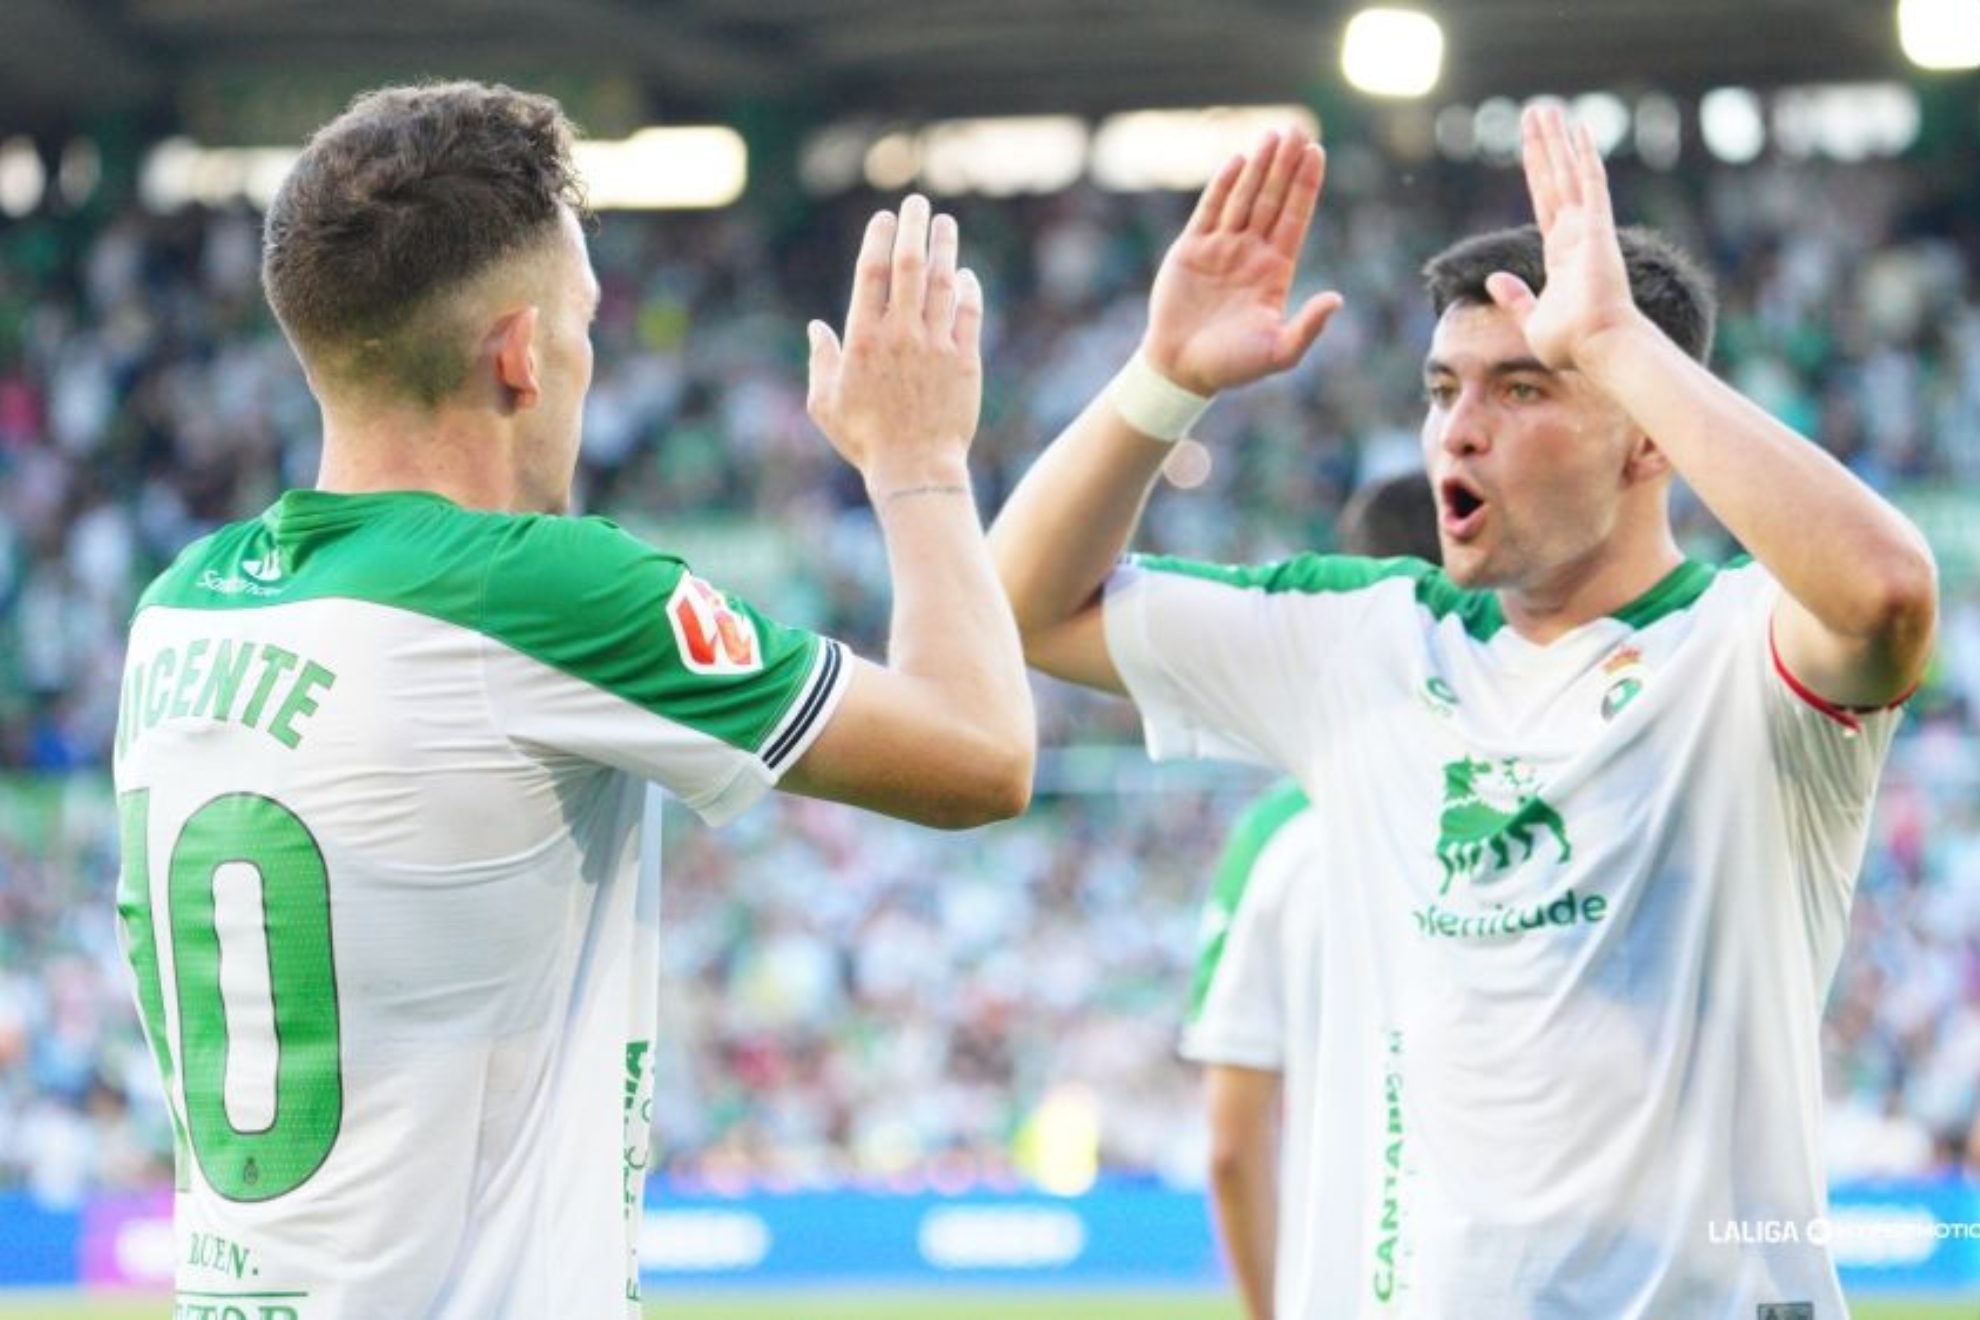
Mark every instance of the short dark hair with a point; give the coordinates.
(402, 199)
(1397, 516)
(1671, 289)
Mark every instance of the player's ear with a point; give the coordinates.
(512, 345)
(1646, 462)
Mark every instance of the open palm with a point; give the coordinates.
(1217, 316)
(1587, 291)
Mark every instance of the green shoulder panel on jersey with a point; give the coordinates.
(600, 604)
(577, 594)
(1254, 830)
(1478, 611)
(1678, 591)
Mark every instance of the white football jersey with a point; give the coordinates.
(1578, 908)
(381, 763)
(1256, 1000)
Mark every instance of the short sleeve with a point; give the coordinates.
(1238, 1013)
(1246, 663)
(641, 665)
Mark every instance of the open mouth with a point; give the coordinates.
(1462, 506)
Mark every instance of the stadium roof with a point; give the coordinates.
(170, 61)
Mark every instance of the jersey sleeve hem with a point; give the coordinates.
(1124, 616)
(808, 714)
(1230, 1050)
(1849, 717)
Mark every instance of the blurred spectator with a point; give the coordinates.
(848, 1000)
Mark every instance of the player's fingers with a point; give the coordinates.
(872, 274)
(909, 293)
(1309, 176)
(1560, 155)
(969, 314)
(1210, 206)
(1539, 173)
(1244, 193)
(823, 369)
(1272, 194)
(1512, 293)
(1304, 326)
(943, 240)
(1594, 176)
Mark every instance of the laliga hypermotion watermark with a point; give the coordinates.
(1917, 1228)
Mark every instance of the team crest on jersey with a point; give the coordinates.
(1438, 696)
(1491, 809)
(712, 637)
(1625, 674)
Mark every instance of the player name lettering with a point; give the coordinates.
(254, 684)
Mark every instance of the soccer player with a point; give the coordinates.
(383, 749)
(1256, 1016)
(1591, 810)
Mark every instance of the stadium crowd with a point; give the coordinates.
(849, 1000)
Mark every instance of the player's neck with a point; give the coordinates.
(462, 458)
(1619, 572)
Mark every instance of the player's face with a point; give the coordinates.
(565, 307)
(1527, 463)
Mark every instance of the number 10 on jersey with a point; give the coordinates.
(244, 918)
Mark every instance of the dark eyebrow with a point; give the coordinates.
(1520, 366)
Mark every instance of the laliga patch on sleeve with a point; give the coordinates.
(1786, 1311)
(711, 637)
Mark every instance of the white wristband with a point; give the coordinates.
(1152, 403)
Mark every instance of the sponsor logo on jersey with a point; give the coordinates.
(1494, 819)
(1626, 676)
(638, 1131)
(1390, 1249)
(712, 637)
(233, 584)
(268, 568)
(1499, 921)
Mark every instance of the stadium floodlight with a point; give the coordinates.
(1003, 156)
(1393, 52)
(23, 178)
(1180, 150)
(1604, 115)
(893, 161)
(1731, 121)
(1940, 34)
(654, 169)
(690, 167)
(179, 172)
(1846, 122)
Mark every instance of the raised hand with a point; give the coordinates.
(1587, 292)
(1217, 316)
(904, 391)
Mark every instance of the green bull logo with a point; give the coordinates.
(1491, 808)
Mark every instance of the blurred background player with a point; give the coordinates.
(401, 723)
(1256, 1014)
(1593, 810)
